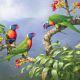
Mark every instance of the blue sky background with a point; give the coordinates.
(12, 9)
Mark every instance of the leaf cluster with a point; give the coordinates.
(62, 64)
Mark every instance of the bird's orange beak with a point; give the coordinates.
(51, 23)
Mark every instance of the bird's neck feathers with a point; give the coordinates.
(29, 37)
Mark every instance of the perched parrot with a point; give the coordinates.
(11, 34)
(22, 48)
(57, 19)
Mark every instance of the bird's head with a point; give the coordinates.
(14, 26)
(50, 23)
(31, 35)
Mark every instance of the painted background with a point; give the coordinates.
(30, 15)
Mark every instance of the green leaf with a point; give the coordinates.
(49, 62)
(56, 44)
(32, 71)
(22, 70)
(67, 65)
(76, 68)
(29, 66)
(55, 64)
(44, 73)
(38, 58)
(44, 60)
(64, 48)
(54, 74)
(77, 52)
(38, 71)
(60, 64)
(45, 69)
(67, 57)
(2, 28)
(56, 53)
(77, 46)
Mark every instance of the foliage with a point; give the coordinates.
(62, 64)
(57, 4)
(2, 31)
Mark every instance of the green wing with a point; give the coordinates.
(57, 18)
(2, 31)
(8, 57)
(21, 48)
(70, 26)
(23, 44)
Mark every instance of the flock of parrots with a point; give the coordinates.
(26, 44)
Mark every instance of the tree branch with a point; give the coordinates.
(67, 7)
(49, 34)
(47, 38)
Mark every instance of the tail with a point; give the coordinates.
(8, 57)
(70, 26)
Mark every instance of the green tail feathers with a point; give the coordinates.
(8, 57)
(70, 26)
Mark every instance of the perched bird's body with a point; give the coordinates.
(56, 20)
(12, 34)
(22, 48)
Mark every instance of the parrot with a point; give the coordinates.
(11, 34)
(57, 19)
(22, 48)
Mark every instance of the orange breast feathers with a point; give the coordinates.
(12, 34)
(29, 42)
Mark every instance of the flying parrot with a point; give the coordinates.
(57, 19)
(22, 48)
(12, 34)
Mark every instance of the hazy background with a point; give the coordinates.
(30, 15)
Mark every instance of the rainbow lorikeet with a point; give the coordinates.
(11, 34)
(57, 19)
(22, 48)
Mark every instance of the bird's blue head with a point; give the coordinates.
(14, 27)
(31, 35)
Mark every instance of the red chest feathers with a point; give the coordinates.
(12, 34)
(29, 42)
